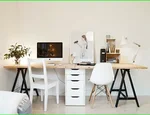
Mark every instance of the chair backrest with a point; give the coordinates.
(102, 74)
(32, 64)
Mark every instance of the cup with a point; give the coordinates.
(117, 51)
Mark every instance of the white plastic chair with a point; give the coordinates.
(102, 75)
(43, 83)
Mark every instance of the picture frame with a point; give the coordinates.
(82, 47)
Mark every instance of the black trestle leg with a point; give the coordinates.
(24, 84)
(18, 71)
(124, 85)
(135, 97)
(122, 81)
(24, 81)
(21, 88)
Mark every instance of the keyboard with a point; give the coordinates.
(86, 64)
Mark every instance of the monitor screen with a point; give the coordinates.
(49, 50)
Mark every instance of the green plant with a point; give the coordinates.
(17, 51)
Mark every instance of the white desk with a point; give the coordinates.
(75, 81)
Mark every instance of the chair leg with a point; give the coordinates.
(31, 94)
(45, 99)
(93, 89)
(106, 92)
(110, 98)
(57, 93)
(94, 97)
(41, 95)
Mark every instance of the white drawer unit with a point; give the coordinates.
(75, 92)
(75, 77)
(75, 84)
(74, 71)
(75, 87)
(75, 100)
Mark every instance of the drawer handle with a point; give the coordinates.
(74, 74)
(74, 80)
(75, 88)
(74, 69)
(75, 96)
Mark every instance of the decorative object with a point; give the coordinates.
(117, 51)
(125, 41)
(17, 51)
(113, 55)
(82, 44)
(111, 45)
(72, 56)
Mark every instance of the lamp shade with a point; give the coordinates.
(124, 41)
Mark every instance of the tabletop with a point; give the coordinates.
(74, 66)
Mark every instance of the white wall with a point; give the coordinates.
(28, 23)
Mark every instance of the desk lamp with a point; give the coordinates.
(124, 41)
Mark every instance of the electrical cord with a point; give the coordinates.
(58, 77)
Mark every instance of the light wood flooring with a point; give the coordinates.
(101, 106)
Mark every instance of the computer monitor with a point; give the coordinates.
(52, 51)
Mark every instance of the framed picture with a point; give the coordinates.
(82, 47)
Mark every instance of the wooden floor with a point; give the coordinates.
(101, 106)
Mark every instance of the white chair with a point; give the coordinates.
(102, 75)
(43, 83)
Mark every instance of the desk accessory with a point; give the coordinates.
(86, 64)
(113, 55)
(125, 41)
(102, 55)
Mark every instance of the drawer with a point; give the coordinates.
(75, 77)
(75, 100)
(74, 71)
(74, 91)
(75, 84)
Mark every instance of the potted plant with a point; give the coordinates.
(17, 51)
